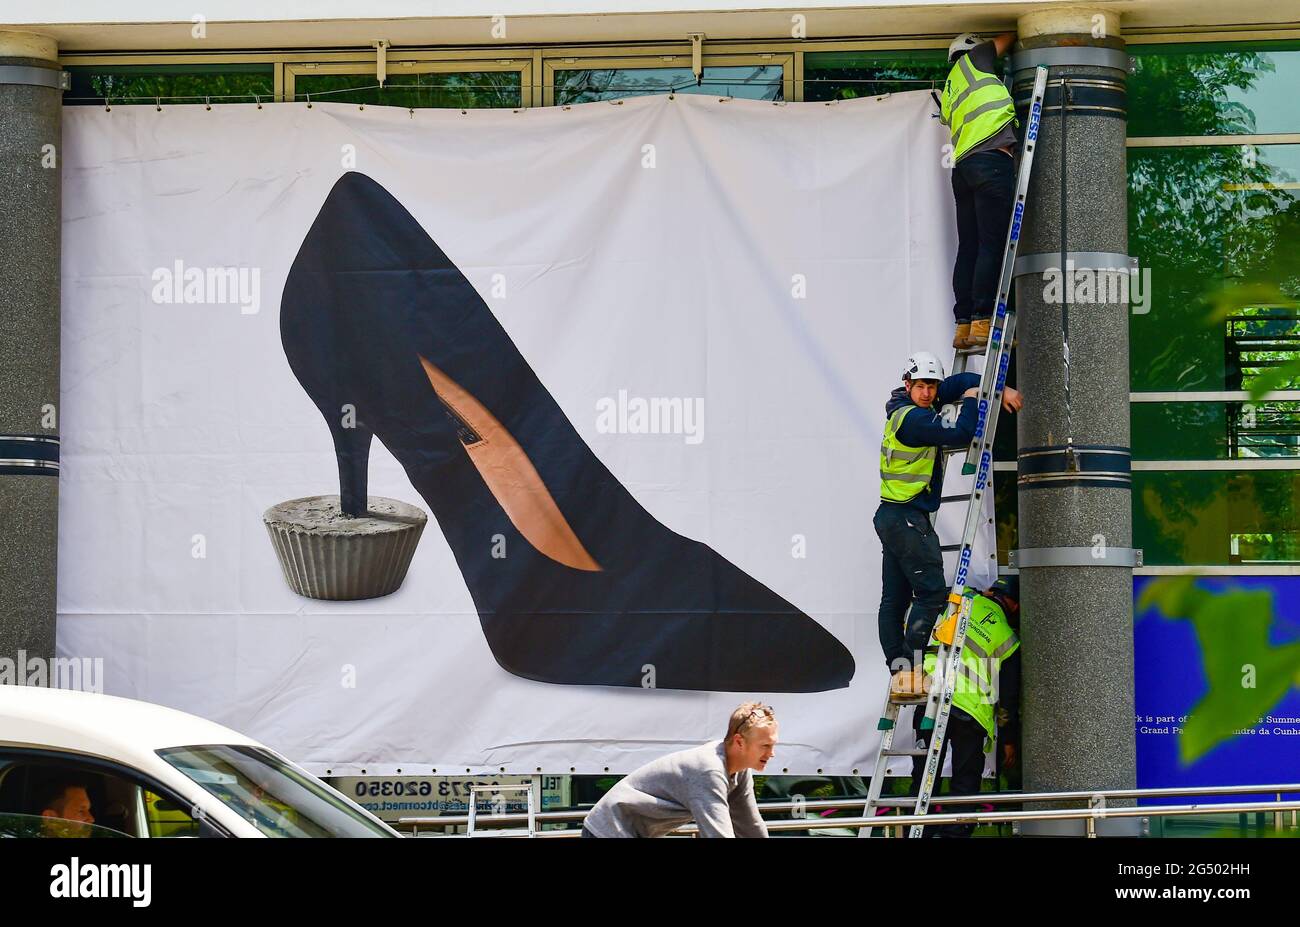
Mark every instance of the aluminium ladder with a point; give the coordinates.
(529, 831)
(950, 629)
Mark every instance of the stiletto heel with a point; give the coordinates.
(574, 581)
(352, 448)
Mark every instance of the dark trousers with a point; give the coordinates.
(966, 737)
(913, 590)
(984, 185)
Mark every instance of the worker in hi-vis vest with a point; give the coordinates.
(913, 590)
(986, 696)
(979, 112)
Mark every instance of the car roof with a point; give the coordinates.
(105, 725)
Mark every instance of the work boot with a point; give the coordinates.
(963, 333)
(979, 333)
(909, 685)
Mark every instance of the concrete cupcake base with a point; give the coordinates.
(327, 555)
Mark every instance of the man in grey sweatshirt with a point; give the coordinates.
(709, 784)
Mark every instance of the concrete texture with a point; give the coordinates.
(30, 118)
(28, 546)
(1076, 622)
(328, 555)
(1066, 19)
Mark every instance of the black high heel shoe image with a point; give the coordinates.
(574, 581)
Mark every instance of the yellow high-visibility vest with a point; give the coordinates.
(904, 470)
(989, 641)
(975, 106)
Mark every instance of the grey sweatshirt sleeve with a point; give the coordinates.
(745, 819)
(707, 802)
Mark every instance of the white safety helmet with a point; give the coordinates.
(923, 366)
(963, 43)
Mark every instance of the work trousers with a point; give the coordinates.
(913, 590)
(966, 736)
(984, 186)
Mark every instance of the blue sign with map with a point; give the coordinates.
(1217, 667)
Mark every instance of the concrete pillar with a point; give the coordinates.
(31, 157)
(1073, 472)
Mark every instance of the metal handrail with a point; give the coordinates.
(1090, 815)
(832, 804)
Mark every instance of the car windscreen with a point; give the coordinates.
(270, 794)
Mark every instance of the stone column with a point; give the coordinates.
(1075, 517)
(31, 99)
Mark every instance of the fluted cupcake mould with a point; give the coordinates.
(328, 555)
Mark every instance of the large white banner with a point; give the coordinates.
(682, 316)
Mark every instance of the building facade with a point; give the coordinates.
(1212, 165)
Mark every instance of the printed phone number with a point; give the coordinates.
(390, 789)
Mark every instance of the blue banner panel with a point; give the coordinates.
(1217, 680)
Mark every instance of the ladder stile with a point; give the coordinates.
(1004, 318)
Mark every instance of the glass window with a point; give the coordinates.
(751, 82)
(166, 818)
(69, 797)
(173, 83)
(1181, 517)
(1217, 517)
(1215, 430)
(270, 794)
(1004, 442)
(1217, 233)
(1262, 344)
(847, 75)
(1234, 88)
(459, 90)
(1006, 512)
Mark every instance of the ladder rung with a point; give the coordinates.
(949, 548)
(912, 752)
(502, 832)
(904, 702)
(964, 497)
(896, 802)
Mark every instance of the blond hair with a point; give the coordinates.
(749, 714)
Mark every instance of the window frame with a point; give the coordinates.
(398, 66)
(669, 59)
(1186, 42)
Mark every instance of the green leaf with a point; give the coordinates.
(1277, 378)
(1232, 628)
(1168, 594)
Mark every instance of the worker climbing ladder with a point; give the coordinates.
(950, 630)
